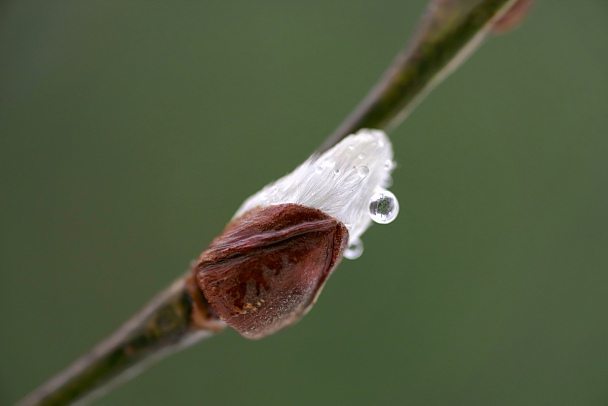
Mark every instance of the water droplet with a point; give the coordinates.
(354, 250)
(383, 207)
(387, 182)
(319, 169)
(361, 155)
(362, 171)
(388, 165)
(328, 163)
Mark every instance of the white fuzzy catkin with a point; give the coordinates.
(339, 182)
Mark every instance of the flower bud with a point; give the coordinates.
(265, 271)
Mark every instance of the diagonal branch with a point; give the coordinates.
(447, 34)
(175, 319)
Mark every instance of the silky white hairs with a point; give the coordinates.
(339, 182)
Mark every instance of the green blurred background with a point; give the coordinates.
(131, 131)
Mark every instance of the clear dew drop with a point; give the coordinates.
(387, 181)
(383, 207)
(328, 163)
(362, 171)
(354, 250)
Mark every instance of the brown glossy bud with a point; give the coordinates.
(265, 271)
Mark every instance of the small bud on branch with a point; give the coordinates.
(265, 271)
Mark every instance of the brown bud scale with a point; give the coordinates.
(267, 268)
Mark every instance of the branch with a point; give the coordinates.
(448, 33)
(175, 319)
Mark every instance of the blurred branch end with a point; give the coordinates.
(448, 33)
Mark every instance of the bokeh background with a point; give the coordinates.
(131, 131)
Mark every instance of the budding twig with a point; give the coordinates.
(448, 33)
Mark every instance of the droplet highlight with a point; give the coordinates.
(383, 207)
(387, 181)
(354, 250)
(362, 171)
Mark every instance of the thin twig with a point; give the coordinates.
(175, 319)
(447, 34)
